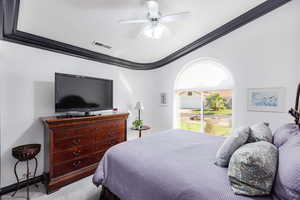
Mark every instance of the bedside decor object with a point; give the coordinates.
(137, 124)
(267, 99)
(25, 153)
(140, 129)
(139, 106)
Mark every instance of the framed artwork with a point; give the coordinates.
(267, 99)
(163, 99)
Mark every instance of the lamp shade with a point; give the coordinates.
(139, 106)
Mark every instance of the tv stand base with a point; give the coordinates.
(74, 115)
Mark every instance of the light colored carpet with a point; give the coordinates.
(80, 190)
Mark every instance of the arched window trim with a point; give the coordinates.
(204, 59)
(186, 66)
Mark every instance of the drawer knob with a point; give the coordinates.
(76, 153)
(75, 164)
(76, 142)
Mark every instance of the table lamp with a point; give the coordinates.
(139, 106)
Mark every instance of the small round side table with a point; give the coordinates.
(25, 153)
(143, 128)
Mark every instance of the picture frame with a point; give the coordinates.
(163, 99)
(271, 99)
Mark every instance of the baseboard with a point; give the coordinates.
(13, 187)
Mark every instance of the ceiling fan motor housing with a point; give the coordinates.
(153, 10)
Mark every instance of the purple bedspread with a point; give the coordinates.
(171, 165)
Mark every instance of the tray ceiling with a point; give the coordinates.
(79, 23)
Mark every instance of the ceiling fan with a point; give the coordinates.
(154, 21)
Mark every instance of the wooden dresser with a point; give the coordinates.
(74, 146)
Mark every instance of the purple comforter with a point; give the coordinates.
(171, 165)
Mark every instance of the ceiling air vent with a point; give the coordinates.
(101, 45)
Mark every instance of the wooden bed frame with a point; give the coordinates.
(106, 194)
(295, 112)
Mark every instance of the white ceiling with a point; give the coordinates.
(80, 22)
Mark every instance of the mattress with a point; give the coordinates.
(170, 165)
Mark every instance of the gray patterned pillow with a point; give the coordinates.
(252, 169)
(260, 132)
(231, 144)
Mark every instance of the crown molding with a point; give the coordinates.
(10, 33)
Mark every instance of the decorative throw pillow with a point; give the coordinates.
(260, 132)
(231, 143)
(286, 186)
(252, 169)
(285, 133)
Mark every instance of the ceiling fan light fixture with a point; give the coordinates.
(154, 32)
(154, 20)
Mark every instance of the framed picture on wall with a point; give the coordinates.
(163, 99)
(267, 99)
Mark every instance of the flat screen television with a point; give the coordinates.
(82, 94)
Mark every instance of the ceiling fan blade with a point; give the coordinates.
(174, 16)
(153, 9)
(134, 21)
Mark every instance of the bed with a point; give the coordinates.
(179, 165)
(170, 165)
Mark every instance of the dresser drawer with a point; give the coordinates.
(106, 144)
(112, 124)
(64, 144)
(62, 169)
(105, 134)
(109, 126)
(60, 133)
(73, 153)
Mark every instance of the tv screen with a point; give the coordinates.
(83, 94)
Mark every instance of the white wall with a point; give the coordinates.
(27, 93)
(264, 53)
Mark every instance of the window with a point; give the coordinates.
(204, 98)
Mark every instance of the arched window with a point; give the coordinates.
(204, 90)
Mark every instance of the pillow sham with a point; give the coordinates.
(230, 145)
(287, 139)
(252, 169)
(260, 132)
